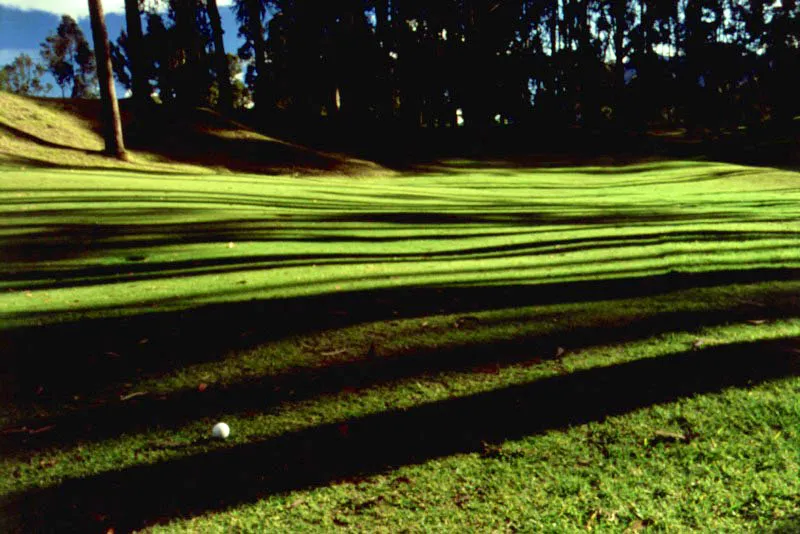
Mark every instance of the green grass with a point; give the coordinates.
(485, 347)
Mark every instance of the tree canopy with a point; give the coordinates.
(70, 59)
(473, 63)
(24, 77)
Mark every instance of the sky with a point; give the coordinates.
(75, 8)
(24, 24)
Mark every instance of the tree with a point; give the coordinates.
(112, 126)
(69, 59)
(220, 59)
(24, 77)
(192, 77)
(135, 52)
(240, 94)
(249, 13)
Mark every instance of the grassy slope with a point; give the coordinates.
(36, 132)
(553, 349)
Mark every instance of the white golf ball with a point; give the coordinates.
(221, 431)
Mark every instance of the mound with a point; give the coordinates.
(66, 133)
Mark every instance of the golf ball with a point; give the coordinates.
(221, 431)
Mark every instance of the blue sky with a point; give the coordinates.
(24, 24)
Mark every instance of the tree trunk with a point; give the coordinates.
(190, 83)
(256, 30)
(554, 30)
(223, 72)
(619, 9)
(112, 126)
(385, 35)
(133, 23)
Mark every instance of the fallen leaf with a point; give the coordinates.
(16, 430)
(297, 502)
(133, 395)
(202, 386)
(669, 436)
(42, 429)
(560, 352)
(592, 519)
(639, 524)
(337, 352)
(698, 343)
(461, 499)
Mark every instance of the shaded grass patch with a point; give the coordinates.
(564, 350)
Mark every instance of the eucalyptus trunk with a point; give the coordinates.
(112, 126)
(225, 102)
(133, 23)
(256, 31)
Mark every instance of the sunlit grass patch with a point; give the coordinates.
(545, 349)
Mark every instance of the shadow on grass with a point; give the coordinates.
(16, 132)
(96, 356)
(45, 234)
(788, 526)
(26, 256)
(364, 370)
(228, 476)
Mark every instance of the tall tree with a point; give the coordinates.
(135, 52)
(619, 10)
(190, 82)
(112, 125)
(23, 77)
(249, 13)
(220, 58)
(70, 59)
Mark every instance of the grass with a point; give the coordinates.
(484, 347)
(66, 133)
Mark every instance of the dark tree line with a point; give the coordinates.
(445, 63)
(439, 64)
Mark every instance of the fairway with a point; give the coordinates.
(484, 345)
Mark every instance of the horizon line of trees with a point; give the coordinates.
(477, 63)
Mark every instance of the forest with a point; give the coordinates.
(711, 64)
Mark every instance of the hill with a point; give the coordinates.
(45, 132)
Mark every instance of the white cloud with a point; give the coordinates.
(75, 8)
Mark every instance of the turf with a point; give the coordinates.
(483, 347)
(66, 133)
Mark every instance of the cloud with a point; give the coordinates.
(75, 8)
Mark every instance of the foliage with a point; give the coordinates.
(24, 77)
(70, 59)
(596, 63)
